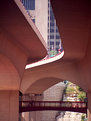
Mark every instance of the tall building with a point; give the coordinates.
(54, 41)
(42, 15)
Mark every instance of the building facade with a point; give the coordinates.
(54, 40)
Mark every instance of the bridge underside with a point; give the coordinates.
(27, 106)
(28, 109)
(74, 23)
(20, 43)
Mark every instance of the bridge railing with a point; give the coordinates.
(76, 104)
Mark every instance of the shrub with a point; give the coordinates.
(82, 96)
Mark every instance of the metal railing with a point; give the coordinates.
(76, 106)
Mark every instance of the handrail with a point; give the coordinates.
(78, 106)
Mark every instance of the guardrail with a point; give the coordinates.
(77, 106)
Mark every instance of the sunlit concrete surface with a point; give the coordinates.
(45, 61)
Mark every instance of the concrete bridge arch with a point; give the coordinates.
(9, 77)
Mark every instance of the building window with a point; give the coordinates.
(51, 43)
(57, 43)
(52, 24)
(57, 30)
(48, 4)
(57, 49)
(51, 36)
(51, 13)
(51, 18)
(51, 30)
(57, 37)
(48, 24)
(29, 4)
(48, 37)
(48, 18)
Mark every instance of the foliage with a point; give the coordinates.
(83, 117)
(70, 89)
(81, 96)
(79, 88)
(53, 53)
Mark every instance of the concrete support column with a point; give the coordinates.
(9, 105)
(89, 106)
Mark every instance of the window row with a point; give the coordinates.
(52, 30)
(52, 43)
(53, 36)
(57, 49)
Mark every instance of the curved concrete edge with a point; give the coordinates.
(38, 64)
(41, 78)
(50, 74)
(43, 84)
(13, 52)
(9, 77)
(38, 78)
(45, 61)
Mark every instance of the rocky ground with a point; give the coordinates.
(70, 116)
